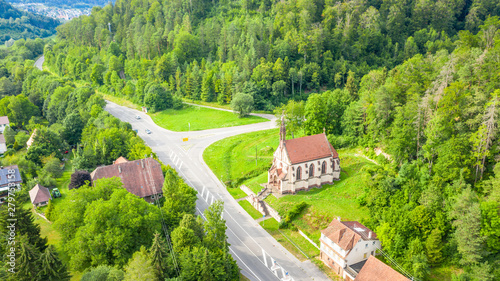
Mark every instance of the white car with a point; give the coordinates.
(138, 117)
(148, 131)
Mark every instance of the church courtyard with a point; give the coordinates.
(234, 161)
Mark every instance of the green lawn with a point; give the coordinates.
(250, 209)
(291, 240)
(330, 201)
(46, 229)
(444, 273)
(233, 160)
(200, 118)
(236, 193)
(120, 101)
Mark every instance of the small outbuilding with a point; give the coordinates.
(40, 196)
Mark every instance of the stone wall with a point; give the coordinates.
(260, 205)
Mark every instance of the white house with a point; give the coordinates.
(345, 246)
(4, 123)
(303, 163)
(3, 145)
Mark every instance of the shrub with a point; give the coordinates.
(295, 211)
(79, 178)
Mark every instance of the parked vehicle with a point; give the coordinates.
(148, 131)
(56, 193)
(137, 117)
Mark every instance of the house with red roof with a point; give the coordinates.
(303, 163)
(142, 177)
(376, 270)
(40, 196)
(345, 246)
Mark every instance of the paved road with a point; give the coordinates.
(252, 247)
(39, 62)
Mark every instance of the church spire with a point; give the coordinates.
(282, 128)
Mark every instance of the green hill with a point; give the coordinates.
(16, 24)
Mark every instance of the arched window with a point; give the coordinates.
(299, 173)
(311, 170)
(323, 167)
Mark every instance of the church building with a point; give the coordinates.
(303, 163)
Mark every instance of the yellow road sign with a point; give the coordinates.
(184, 139)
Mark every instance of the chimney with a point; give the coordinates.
(370, 235)
(338, 218)
(142, 163)
(119, 169)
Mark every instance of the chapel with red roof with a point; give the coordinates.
(303, 163)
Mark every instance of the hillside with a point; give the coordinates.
(16, 24)
(416, 79)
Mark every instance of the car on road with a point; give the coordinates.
(137, 117)
(148, 131)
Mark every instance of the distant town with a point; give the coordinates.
(62, 14)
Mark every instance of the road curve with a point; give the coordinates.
(39, 62)
(255, 250)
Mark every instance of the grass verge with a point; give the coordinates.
(290, 239)
(250, 209)
(120, 101)
(236, 193)
(195, 118)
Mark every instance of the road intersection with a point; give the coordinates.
(258, 254)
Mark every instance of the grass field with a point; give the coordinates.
(236, 193)
(291, 240)
(197, 118)
(233, 160)
(330, 201)
(46, 229)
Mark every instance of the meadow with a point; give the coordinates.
(195, 118)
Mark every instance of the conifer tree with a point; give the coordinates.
(51, 266)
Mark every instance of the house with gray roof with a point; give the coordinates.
(9, 177)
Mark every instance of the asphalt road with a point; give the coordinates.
(39, 62)
(252, 247)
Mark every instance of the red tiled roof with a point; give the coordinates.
(347, 234)
(142, 177)
(4, 120)
(309, 148)
(2, 138)
(39, 194)
(375, 270)
(120, 159)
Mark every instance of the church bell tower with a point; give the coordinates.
(282, 129)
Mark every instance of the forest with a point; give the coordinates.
(165, 242)
(416, 79)
(15, 24)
